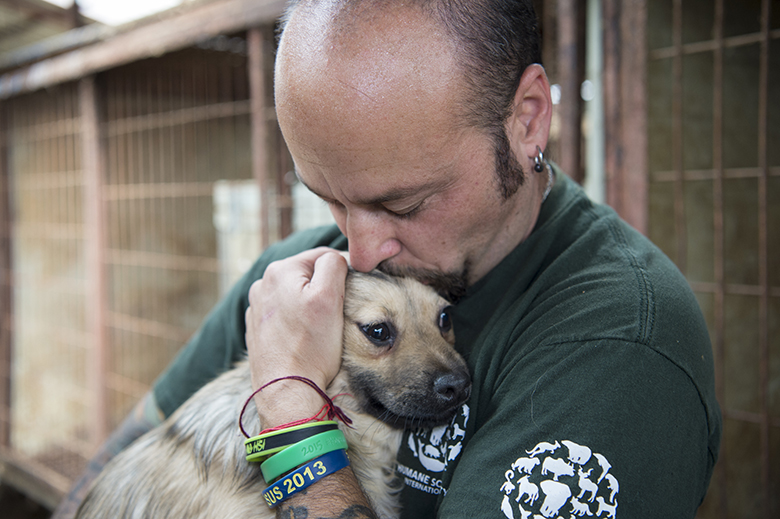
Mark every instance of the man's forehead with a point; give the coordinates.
(338, 18)
(350, 106)
(329, 33)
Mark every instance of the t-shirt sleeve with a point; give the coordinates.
(610, 429)
(219, 342)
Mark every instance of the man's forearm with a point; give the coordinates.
(144, 417)
(336, 496)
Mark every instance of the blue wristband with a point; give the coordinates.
(305, 476)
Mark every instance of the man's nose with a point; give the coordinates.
(371, 239)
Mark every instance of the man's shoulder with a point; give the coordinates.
(634, 292)
(612, 285)
(624, 280)
(594, 278)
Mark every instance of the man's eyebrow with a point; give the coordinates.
(401, 193)
(307, 186)
(397, 193)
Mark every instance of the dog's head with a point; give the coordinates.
(398, 352)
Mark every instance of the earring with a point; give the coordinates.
(540, 163)
(539, 160)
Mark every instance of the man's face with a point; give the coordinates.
(371, 120)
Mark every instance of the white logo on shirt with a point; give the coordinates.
(559, 479)
(435, 449)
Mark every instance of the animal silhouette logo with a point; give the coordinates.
(559, 479)
(436, 448)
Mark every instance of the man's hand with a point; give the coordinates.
(294, 326)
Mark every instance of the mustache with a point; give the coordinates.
(450, 285)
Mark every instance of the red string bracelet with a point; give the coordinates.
(330, 409)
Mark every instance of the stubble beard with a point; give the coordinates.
(450, 285)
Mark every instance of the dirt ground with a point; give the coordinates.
(14, 505)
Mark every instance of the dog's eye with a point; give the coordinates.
(445, 322)
(381, 334)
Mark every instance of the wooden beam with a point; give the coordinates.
(45, 12)
(155, 38)
(571, 73)
(6, 285)
(93, 166)
(38, 482)
(56, 44)
(625, 109)
(256, 45)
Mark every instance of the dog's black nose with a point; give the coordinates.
(452, 387)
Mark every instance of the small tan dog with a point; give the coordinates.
(398, 367)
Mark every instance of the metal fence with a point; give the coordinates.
(714, 131)
(46, 285)
(111, 248)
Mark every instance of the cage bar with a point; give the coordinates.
(94, 219)
(763, 258)
(571, 73)
(6, 286)
(256, 42)
(625, 112)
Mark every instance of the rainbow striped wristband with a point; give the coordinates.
(305, 476)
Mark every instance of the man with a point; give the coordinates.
(421, 124)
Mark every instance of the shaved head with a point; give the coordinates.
(490, 42)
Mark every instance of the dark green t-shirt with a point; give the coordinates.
(593, 378)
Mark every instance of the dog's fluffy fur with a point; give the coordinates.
(194, 464)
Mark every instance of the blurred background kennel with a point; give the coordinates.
(142, 171)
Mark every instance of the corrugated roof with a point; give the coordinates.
(77, 53)
(24, 22)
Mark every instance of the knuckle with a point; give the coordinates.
(273, 269)
(255, 290)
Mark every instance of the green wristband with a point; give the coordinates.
(260, 447)
(305, 476)
(302, 452)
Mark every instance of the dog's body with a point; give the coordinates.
(398, 366)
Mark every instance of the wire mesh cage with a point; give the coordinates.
(49, 400)
(714, 184)
(156, 231)
(174, 127)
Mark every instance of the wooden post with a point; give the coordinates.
(625, 109)
(93, 166)
(256, 44)
(764, 267)
(571, 72)
(6, 285)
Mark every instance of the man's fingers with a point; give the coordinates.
(300, 266)
(330, 269)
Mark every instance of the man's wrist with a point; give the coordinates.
(287, 401)
(337, 495)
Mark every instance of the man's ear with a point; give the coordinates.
(529, 124)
